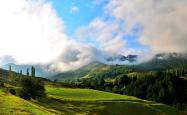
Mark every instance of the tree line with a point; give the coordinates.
(30, 86)
(168, 87)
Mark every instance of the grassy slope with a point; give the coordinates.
(89, 101)
(82, 101)
(81, 72)
(10, 104)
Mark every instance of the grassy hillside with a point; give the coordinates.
(87, 101)
(10, 104)
(82, 101)
(85, 94)
(95, 69)
(77, 73)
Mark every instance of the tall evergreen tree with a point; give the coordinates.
(27, 71)
(20, 72)
(33, 71)
(10, 72)
(10, 68)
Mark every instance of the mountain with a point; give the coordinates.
(159, 62)
(79, 73)
(95, 69)
(164, 61)
(40, 71)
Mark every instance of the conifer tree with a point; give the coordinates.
(10, 72)
(27, 72)
(33, 71)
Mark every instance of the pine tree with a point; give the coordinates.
(10, 73)
(27, 72)
(20, 72)
(10, 68)
(33, 71)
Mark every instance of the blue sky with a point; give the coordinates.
(86, 11)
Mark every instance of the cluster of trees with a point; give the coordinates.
(30, 86)
(32, 72)
(168, 87)
(111, 72)
(13, 77)
(93, 83)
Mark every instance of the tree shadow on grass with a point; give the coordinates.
(111, 107)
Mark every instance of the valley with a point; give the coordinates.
(81, 101)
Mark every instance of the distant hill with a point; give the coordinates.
(159, 62)
(40, 71)
(83, 71)
(164, 61)
(3, 73)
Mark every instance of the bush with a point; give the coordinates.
(1, 84)
(115, 89)
(32, 88)
(12, 91)
(24, 94)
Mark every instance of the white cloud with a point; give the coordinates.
(163, 22)
(74, 9)
(105, 34)
(5, 59)
(75, 56)
(30, 31)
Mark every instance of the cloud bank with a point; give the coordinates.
(163, 22)
(32, 32)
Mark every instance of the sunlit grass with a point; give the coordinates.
(98, 102)
(69, 101)
(10, 104)
(85, 94)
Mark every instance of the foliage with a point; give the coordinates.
(12, 91)
(33, 71)
(164, 87)
(1, 84)
(32, 88)
(168, 87)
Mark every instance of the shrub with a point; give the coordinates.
(32, 88)
(12, 91)
(23, 93)
(1, 84)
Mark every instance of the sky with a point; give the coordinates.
(68, 34)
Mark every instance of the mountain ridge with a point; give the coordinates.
(159, 62)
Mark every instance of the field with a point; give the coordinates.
(10, 104)
(82, 101)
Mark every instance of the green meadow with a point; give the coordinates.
(68, 101)
(10, 104)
